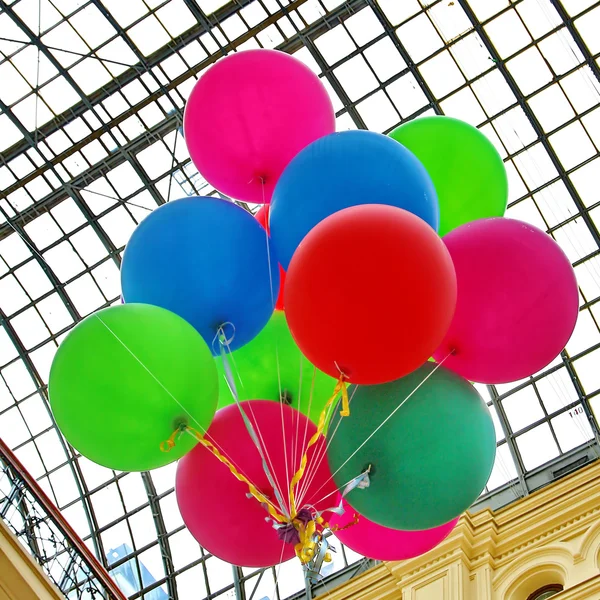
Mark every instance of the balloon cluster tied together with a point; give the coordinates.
(310, 365)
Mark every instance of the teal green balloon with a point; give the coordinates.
(125, 378)
(429, 462)
(270, 359)
(465, 167)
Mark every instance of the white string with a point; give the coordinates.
(321, 452)
(295, 456)
(382, 424)
(338, 490)
(307, 421)
(283, 433)
(311, 467)
(261, 447)
(325, 447)
(507, 476)
(273, 595)
(202, 429)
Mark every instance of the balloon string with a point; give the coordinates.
(263, 452)
(169, 444)
(295, 447)
(315, 463)
(340, 387)
(310, 399)
(183, 408)
(361, 481)
(273, 302)
(345, 412)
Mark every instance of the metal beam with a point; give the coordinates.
(539, 131)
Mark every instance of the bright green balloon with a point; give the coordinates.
(257, 376)
(125, 378)
(467, 171)
(429, 462)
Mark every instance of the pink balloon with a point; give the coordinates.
(517, 301)
(249, 115)
(382, 543)
(213, 503)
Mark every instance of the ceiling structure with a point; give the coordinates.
(91, 101)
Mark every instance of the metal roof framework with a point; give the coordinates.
(91, 105)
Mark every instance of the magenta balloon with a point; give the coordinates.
(213, 503)
(382, 543)
(249, 115)
(517, 301)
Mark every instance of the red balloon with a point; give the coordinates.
(370, 293)
(382, 543)
(262, 216)
(214, 504)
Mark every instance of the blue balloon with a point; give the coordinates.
(206, 260)
(342, 170)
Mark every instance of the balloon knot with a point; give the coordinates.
(168, 445)
(286, 398)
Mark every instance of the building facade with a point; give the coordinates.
(546, 545)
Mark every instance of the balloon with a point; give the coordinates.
(264, 106)
(517, 301)
(272, 362)
(466, 169)
(429, 461)
(124, 379)
(214, 504)
(262, 216)
(205, 259)
(342, 170)
(382, 543)
(370, 293)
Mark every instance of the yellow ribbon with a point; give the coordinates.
(345, 412)
(170, 443)
(354, 521)
(310, 537)
(305, 549)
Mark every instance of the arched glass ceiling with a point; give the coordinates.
(91, 99)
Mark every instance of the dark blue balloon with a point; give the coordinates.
(206, 260)
(342, 170)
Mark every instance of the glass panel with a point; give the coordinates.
(92, 142)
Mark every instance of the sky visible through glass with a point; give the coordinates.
(91, 101)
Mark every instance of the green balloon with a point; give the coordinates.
(467, 171)
(273, 356)
(125, 378)
(429, 462)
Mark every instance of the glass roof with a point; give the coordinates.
(91, 101)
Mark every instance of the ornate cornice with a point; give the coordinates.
(557, 528)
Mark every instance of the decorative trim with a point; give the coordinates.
(492, 555)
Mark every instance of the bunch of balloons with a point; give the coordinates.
(393, 249)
